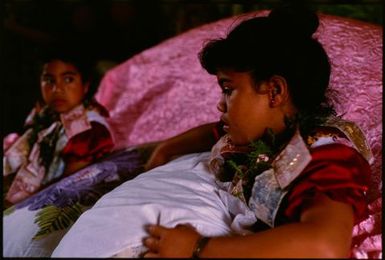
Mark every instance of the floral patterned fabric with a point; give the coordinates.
(81, 135)
(57, 207)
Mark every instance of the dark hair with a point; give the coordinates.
(279, 44)
(79, 58)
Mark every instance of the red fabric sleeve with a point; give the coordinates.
(336, 170)
(89, 145)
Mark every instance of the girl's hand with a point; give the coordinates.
(170, 242)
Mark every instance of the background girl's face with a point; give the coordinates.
(246, 112)
(61, 86)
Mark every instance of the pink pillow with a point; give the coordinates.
(164, 91)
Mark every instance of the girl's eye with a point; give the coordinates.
(68, 79)
(227, 91)
(48, 81)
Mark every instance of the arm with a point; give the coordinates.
(197, 139)
(324, 230)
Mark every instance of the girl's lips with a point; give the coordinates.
(58, 100)
(225, 124)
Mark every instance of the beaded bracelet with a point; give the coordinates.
(201, 243)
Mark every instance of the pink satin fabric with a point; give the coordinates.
(164, 91)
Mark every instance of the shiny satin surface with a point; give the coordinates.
(164, 91)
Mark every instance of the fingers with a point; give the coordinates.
(155, 233)
(152, 244)
(177, 241)
(185, 226)
(151, 255)
(156, 230)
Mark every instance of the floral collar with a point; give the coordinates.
(75, 121)
(241, 165)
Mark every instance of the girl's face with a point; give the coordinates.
(61, 86)
(246, 111)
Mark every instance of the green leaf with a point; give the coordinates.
(52, 218)
(8, 211)
(236, 168)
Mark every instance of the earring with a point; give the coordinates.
(275, 91)
(273, 94)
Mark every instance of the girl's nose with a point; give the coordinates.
(58, 87)
(221, 106)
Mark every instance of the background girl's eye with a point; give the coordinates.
(68, 79)
(48, 81)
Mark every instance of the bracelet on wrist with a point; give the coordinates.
(199, 246)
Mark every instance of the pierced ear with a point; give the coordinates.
(86, 88)
(278, 91)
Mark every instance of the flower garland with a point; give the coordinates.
(41, 120)
(242, 168)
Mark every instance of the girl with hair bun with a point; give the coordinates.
(285, 177)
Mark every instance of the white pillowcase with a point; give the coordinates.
(182, 191)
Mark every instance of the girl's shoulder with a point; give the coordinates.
(341, 131)
(95, 106)
(79, 119)
(320, 146)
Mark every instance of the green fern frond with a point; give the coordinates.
(8, 211)
(52, 218)
(259, 147)
(236, 168)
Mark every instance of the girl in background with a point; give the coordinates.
(63, 135)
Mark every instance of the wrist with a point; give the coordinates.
(199, 246)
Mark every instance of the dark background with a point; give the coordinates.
(114, 30)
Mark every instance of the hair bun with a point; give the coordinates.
(294, 19)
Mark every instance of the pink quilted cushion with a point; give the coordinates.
(164, 91)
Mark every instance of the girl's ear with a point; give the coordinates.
(86, 88)
(278, 91)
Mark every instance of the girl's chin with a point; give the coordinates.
(61, 108)
(237, 141)
(240, 140)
